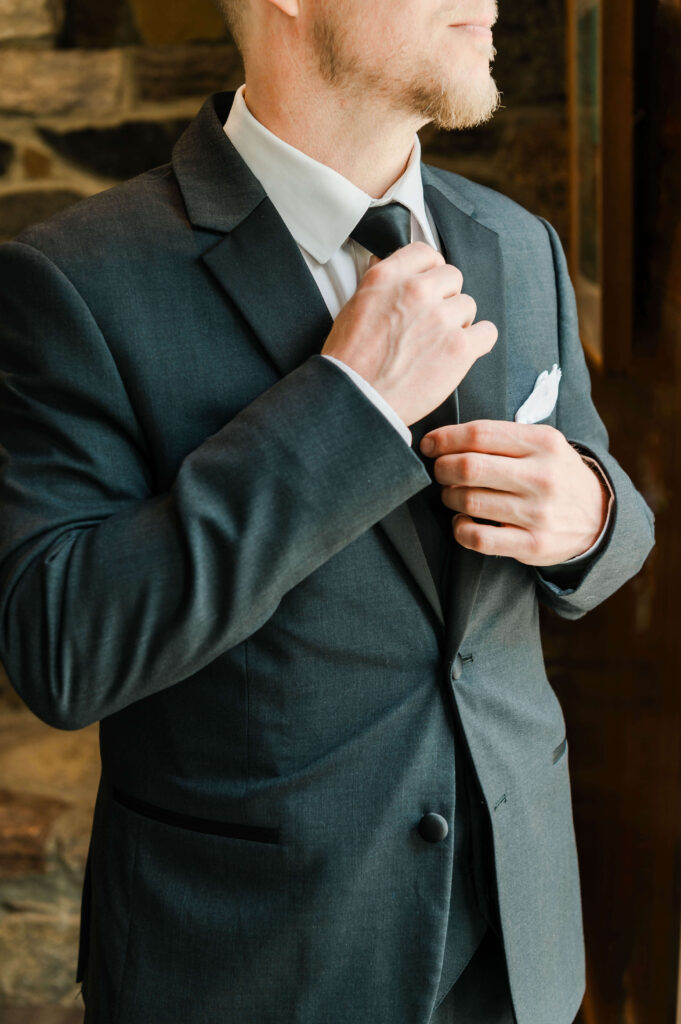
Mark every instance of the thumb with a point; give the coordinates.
(373, 261)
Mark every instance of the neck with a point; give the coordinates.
(368, 145)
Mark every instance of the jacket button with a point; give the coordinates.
(456, 668)
(433, 827)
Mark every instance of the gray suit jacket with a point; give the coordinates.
(205, 543)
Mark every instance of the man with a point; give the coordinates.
(334, 774)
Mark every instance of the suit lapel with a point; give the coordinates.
(474, 248)
(262, 270)
(255, 259)
(259, 266)
(257, 263)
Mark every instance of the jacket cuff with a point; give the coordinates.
(373, 396)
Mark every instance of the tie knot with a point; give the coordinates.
(383, 229)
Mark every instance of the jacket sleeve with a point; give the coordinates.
(110, 592)
(630, 534)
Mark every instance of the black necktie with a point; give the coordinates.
(382, 230)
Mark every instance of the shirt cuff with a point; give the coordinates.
(373, 395)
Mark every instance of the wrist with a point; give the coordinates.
(600, 502)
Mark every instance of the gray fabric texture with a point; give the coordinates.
(481, 995)
(206, 546)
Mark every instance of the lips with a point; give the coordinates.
(478, 21)
(472, 24)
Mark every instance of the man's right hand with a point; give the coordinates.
(408, 330)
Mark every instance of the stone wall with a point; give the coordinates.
(48, 781)
(91, 94)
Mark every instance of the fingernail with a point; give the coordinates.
(427, 445)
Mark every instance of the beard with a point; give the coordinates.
(450, 105)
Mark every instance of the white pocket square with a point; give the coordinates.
(543, 398)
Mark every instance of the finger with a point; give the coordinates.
(414, 258)
(446, 282)
(481, 503)
(481, 337)
(442, 281)
(521, 477)
(506, 541)
(496, 437)
(462, 309)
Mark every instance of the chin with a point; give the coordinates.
(467, 103)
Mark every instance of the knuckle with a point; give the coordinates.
(471, 503)
(469, 468)
(542, 518)
(442, 315)
(475, 539)
(472, 306)
(479, 434)
(551, 483)
(375, 274)
(457, 340)
(414, 290)
(442, 470)
(551, 439)
(541, 483)
(457, 278)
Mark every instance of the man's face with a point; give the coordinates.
(409, 55)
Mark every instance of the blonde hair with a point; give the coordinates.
(234, 14)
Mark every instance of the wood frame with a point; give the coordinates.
(606, 305)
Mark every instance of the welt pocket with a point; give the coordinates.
(560, 750)
(209, 826)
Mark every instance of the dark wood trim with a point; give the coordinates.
(616, 208)
(617, 121)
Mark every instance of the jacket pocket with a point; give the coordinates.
(209, 826)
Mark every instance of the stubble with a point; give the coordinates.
(449, 104)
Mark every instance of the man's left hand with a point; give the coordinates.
(549, 504)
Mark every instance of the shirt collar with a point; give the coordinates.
(319, 206)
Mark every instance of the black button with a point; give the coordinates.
(433, 827)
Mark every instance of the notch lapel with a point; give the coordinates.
(261, 268)
(474, 248)
(292, 321)
(258, 264)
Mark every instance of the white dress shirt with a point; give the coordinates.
(320, 207)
